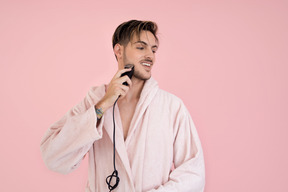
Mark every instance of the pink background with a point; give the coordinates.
(227, 60)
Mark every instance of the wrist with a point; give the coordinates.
(100, 108)
(99, 112)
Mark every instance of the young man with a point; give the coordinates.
(157, 146)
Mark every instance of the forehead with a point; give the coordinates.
(145, 36)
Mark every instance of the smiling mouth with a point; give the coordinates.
(146, 64)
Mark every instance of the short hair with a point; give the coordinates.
(125, 31)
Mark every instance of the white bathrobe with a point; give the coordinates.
(162, 151)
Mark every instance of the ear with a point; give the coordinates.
(118, 51)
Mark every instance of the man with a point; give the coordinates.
(157, 146)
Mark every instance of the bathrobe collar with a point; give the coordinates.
(149, 91)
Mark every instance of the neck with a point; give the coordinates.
(134, 91)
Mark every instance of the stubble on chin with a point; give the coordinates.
(141, 76)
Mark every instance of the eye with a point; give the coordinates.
(140, 48)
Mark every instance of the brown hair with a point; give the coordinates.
(125, 31)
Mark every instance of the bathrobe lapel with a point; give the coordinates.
(119, 140)
(149, 91)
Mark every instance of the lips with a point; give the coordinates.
(146, 63)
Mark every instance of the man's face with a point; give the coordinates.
(141, 52)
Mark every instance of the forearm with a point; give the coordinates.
(65, 143)
(68, 140)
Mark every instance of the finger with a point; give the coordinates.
(122, 92)
(125, 88)
(129, 82)
(123, 79)
(120, 72)
(121, 88)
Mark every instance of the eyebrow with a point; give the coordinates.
(142, 42)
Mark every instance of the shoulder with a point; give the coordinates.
(167, 99)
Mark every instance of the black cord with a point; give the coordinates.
(115, 172)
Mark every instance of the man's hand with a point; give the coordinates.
(114, 90)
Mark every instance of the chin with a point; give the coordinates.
(149, 77)
(141, 76)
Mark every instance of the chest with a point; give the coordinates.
(126, 114)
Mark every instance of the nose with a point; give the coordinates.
(150, 54)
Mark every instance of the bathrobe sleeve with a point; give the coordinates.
(189, 172)
(68, 140)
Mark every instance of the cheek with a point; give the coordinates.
(135, 57)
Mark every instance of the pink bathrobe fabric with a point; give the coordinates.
(162, 151)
